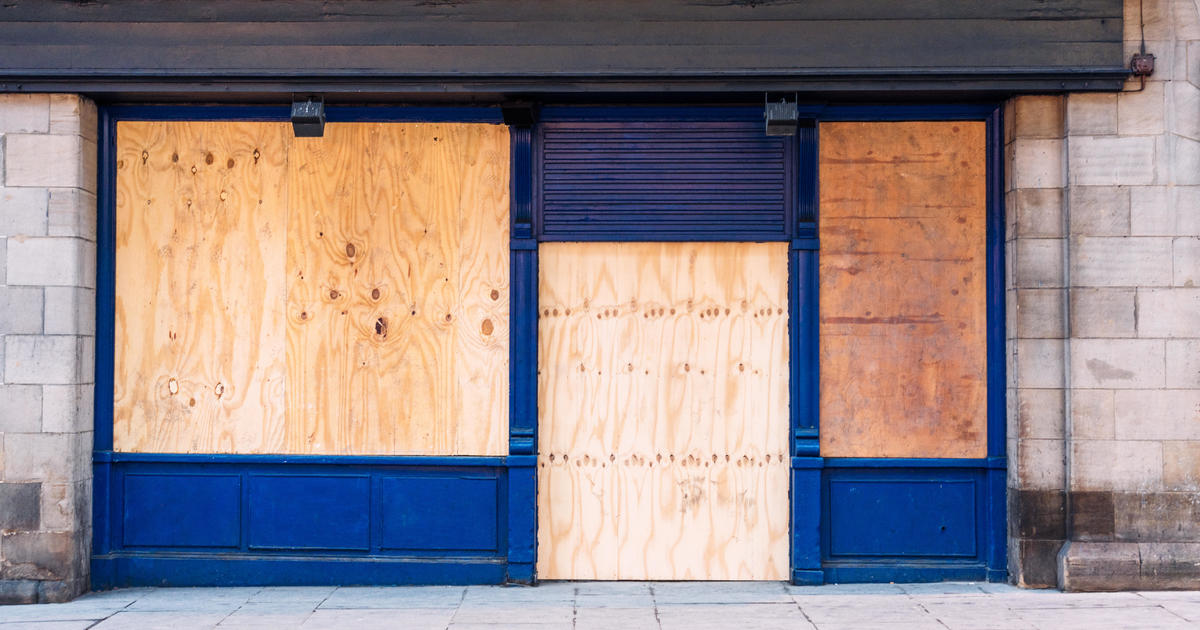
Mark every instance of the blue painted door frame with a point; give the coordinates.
(408, 526)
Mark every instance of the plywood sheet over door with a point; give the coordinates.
(903, 289)
(663, 402)
(337, 295)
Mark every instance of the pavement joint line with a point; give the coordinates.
(575, 606)
(931, 615)
(654, 602)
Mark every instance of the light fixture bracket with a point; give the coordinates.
(781, 117)
(308, 116)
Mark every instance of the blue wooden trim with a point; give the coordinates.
(895, 112)
(805, 350)
(997, 543)
(522, 522)
(988, 473)
(118, 457)
(803, 294)
(178, 569)
(632, 235)
(278, 113)
(101, 507)
(808, 577)
(806, 539)
(894, 515)
(523, 287)
(996, 350)
(106, 227)
(650, 113)
(915, 462)
(808, 140)
(428, 518)
(905, 572)
(366, 113)
(523, 415)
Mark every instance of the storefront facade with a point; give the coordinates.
(545, 300)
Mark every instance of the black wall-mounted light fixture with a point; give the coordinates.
(308, 116)
(781, 117)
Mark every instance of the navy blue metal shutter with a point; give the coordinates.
(663, 181)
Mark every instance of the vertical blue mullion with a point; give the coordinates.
(532, 162)
(105, 496)
(105, 281)
(997, 503)
(522, 422)
(806, 487)
(995, 289)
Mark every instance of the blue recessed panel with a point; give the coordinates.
(182, 510)
(439, 513)
(309, 512)
(902, 518)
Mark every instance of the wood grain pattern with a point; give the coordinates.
(377, 304)
(663, 402)
(398, 290)
(201, 221)
(903, 293)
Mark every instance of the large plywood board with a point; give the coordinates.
(397, 276)
(663, 411)
(903, 289)
(201, 213)
(337, 295)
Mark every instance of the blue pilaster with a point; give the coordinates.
(522, 419)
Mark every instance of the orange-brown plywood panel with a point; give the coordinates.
(663, 411)
(201, 212)
(903, 339)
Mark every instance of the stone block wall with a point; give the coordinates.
(47, 331)
(1036, 310)
(1105, 422)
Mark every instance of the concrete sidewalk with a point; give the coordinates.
(617, 605)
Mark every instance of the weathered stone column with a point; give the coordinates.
(1034, 175)
(47, 331)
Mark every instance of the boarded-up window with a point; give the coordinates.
(337, 295)
(663, 413)
(903, 292)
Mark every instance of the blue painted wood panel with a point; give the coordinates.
(309, 512)
(438, 513)
(182, 510)
(281, 519)
(914, 517)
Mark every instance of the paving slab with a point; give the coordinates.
(305, 594)
(160, 620)
(641, 618)
(263, 621)
(378, 619)
(614, 605)
(723, 616)
(48, 625)
(667, 593)
(72, 611)
(396, 597)
(529, 612)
